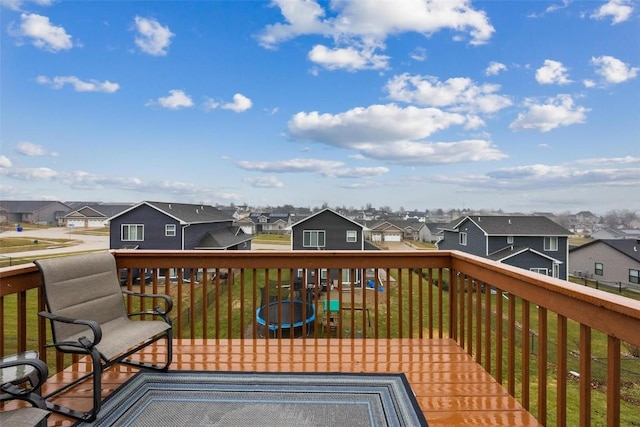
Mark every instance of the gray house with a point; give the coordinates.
(328, 230)
(532, 242)
(42, 212)
(175, 226)
(614, 262)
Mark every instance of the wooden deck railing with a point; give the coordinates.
(551, 343)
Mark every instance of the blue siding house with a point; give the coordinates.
(532, 242)
(175, 226)
(328, 230)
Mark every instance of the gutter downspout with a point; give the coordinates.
(184, 227)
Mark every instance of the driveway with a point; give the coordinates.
(84, 242)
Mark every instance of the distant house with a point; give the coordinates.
(175, 226)
(93, 215)
(431, 232)
(267, 222)
(616, 233)
(395, 230)
(42, 212)
(532, 242)
(328, 230)
(613, 262)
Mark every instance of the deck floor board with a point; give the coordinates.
(451, 388)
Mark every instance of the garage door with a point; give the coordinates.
(392, 238)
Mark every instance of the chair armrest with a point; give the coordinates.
(167, 299)
(81, 343)
(40, 367)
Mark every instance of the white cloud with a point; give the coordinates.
(618, 10)
(552, 72)
(359, 28)
(613, 70)
(43, 33)
(419, 54)
(626, 160)
(264, 182)
(240, 103)
(555, 112)
(5, 162)
(328, 168)
(348, 58)
(540, 176)
(78, 85)
(588, 83)
(495, 68)
(176, 99)
(152, 38)
(29, 149)
(458, 93)
(16, 5)
(393, 134)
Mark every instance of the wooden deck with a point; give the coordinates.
(450, 387)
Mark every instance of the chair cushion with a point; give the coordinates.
(122, 334)
(22, 417)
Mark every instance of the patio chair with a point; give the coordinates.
(22, 376)
(88, 316)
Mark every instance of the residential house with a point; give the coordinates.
(93, 215)
(532, 242)
(395, 230)
(614, 262)
(616, 233)
(266, 222)
(328, 230)
(431, 232)
(42, 212)
(415, 215)
(175, 226)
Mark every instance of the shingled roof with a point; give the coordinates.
(507, 225)
(628, 247)
(186, 213)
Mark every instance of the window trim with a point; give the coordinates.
(551, 243)
(138, 227)
(598, 269)
(352, 236)
(307, 242)
(540, 270)
(634, 275)
(168, 228)
(462, 238)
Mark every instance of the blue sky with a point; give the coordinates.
(515, 105)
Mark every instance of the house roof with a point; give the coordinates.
(185, 213)
(27, 206)
(99, 210)
(511, 251)
(507, 225)
(628, 247)
(363, 227)
(223, 238)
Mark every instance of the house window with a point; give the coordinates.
(170, 230)
(463, 239)
(599, 269)
(313, 239)
(634, 276)
(132, 233)
(550, 243)
(352, 236)
(323, 273)
(509, 240)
